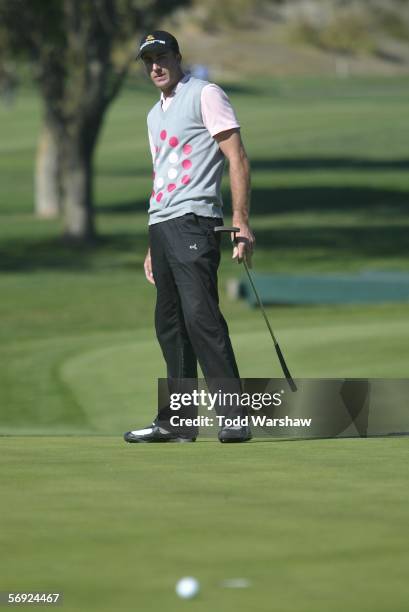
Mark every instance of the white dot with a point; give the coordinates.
(172, 173)
(159, 182)
(173, 158)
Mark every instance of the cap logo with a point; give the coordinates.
(150, 42)
(150, 37)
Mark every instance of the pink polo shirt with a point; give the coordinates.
(217, 112)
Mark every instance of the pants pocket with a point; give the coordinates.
(207, 225)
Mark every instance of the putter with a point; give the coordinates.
(286, 371)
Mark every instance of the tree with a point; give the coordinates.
(80, 52)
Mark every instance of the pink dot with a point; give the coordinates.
(171, 186)
(173, 141)
(186, 163)
(153, 194)
(187, 149)
(185, 179)
(163, 135)
(153, 174)
(157, 149)
(159, 196)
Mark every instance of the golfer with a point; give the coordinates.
(192, 130)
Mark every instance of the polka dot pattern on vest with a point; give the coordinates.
(178, 165)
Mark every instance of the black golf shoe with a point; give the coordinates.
(235, 434)
(154, 433)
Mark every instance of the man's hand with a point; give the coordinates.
(147, 266)
(244, 242)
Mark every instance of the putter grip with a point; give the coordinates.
(223, 228)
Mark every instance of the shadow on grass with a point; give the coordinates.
(359, 238)
(338, 243)
(121, 250)
(125, 207)
(312, 163)
(364, 201)
(361, 200)
(126, 171)
(329, 163)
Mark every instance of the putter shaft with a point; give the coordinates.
(280, 355)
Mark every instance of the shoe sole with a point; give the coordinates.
(234, 440)
(172, 440)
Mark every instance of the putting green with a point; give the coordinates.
(313, 525)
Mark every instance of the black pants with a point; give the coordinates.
(190, 328)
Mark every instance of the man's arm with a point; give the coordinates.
(232, 147)
(147, 264)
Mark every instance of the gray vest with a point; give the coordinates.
(188, 166)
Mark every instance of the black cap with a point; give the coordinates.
(158, 40)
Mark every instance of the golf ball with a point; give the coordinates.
(187, 587)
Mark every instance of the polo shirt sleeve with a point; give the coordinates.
(217, 113)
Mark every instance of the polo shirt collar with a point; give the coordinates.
(179, 86)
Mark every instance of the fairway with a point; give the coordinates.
(313, 525)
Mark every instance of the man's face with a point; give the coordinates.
(163, 67)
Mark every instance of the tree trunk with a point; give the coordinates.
(77, 192)
(47, 203)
